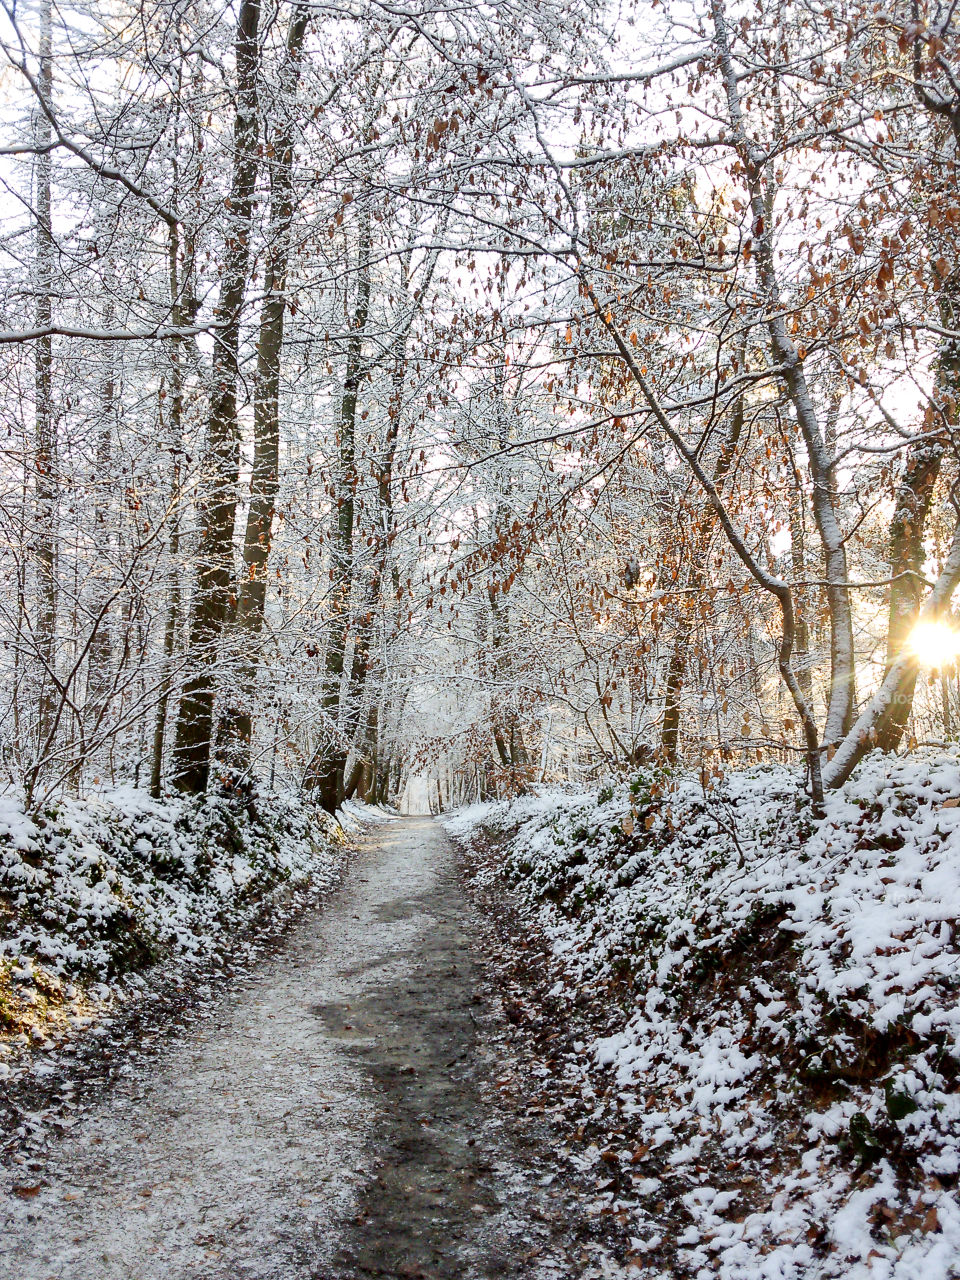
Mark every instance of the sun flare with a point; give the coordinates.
(935, 643)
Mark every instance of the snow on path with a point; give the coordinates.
(241, 1153)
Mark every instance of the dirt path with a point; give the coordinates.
(330, 1119)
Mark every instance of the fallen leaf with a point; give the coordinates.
(931, 1221)
(27, 1193)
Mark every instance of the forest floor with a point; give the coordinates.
(338, 1112)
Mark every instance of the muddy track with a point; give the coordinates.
(332, 1118)
(446, 1184)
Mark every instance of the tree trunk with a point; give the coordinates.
(382, 795)
(251, 595)
(45, 439)
(798, 557)
(325, 773)
(352, 782)
(841, 702)
(218, 500)
(172, 621)
(872, 722)
(178, 312)
(100, 650)
(670, 729)
(906, 555)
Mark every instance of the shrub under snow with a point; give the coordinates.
(783, 999)
(92, 889)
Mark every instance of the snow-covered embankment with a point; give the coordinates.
(768, 1010)
(95, 892)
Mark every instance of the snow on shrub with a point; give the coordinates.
(92, 889)
(787, 1061)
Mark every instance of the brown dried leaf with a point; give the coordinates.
(931, 1220)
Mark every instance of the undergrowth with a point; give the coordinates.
(92, 891)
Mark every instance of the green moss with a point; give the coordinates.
(11, 1009)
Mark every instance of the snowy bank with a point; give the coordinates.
(772, 1075)
(93, 892)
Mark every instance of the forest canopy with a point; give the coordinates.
(514, 393)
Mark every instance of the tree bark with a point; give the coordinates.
(325, 773)
(798, 556)
(251, 594)
(872, 722)
(906, 556)
(45, 437)
(183, 308)
(100, 651)
(218, 501)
(670, 730)
(841, 702)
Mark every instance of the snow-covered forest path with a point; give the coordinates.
(327, 1119)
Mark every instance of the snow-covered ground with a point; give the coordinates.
(782, 1024)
